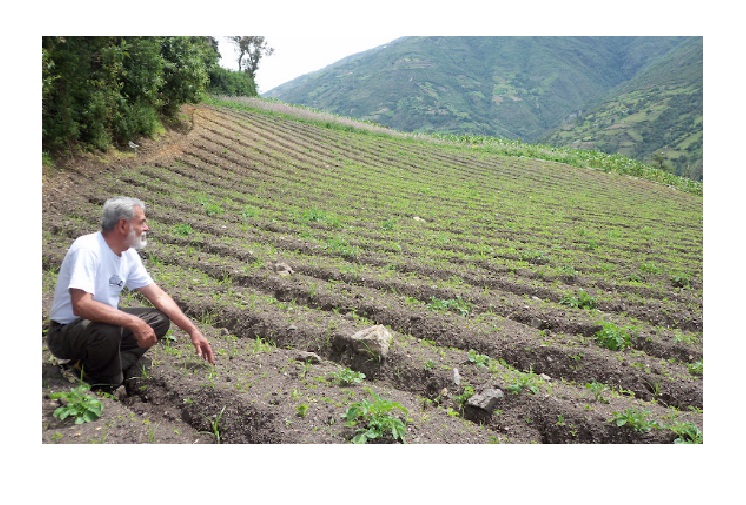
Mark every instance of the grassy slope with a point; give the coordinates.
(660, 110)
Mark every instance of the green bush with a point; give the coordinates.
(231, 83)
(100, 92)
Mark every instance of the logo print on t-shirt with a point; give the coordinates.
(115, 280)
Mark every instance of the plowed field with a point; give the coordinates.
(490, 272)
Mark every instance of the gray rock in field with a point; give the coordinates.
(487, 400)
(373, 341)
(281, 269)
(456, 377)
(306, 356)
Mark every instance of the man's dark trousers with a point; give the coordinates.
(105, 351)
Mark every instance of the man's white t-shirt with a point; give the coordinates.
(92, 266)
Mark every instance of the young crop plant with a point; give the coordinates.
(650, 267)
(463, 397)
(249, 211)
(314, 215)
(568, 272)
(347, 377)
(78, 404)
(635, 419)
(687, 339)
(614, 338)
(302, 410)
(182, 229)
(260, 345)
(681, 280)
(480, 360)
(389, 224)
(534, 257)
(458, 305)
(687, 433)
(215, 425)
(376, 420)
(598, 388)
(211, 208)
(695, 368)
(581, 300)
(518, 381)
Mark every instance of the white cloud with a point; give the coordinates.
(297, 55)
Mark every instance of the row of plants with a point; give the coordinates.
(656, 212)
(224, 212)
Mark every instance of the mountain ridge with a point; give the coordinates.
(534, 89)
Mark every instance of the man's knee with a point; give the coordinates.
(154, 318)
(160, 324)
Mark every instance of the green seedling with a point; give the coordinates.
(581, 300)
(681, 281)
(215, 424)
(463, 397)
(687, 433)
(524, 380)
(635, 419)
(695, 368)
(614, 338)
(480, 360)
(686, 339)
(78, 404)
(302, 410)
(345, 376)
(375, 420)
(458, 305)
(182, 229)
(598, 388)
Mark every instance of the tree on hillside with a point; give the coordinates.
(103, 91)
(250, 51)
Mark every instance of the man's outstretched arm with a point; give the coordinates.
(163, 302)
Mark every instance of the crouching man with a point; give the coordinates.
(86, 325)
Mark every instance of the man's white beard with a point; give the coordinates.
(137, 242)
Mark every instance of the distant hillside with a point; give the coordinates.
(658, 111)
(535, 89)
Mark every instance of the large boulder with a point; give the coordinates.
(372, 342)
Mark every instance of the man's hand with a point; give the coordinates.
(85, 307)
(202, 346)
(163, 302)
(143, 333)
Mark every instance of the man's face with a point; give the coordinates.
(137, 237)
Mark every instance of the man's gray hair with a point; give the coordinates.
(117, 208)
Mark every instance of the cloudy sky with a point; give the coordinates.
(296, 55)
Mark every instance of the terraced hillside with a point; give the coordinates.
(527, 301)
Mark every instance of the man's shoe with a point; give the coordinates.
(73, 371)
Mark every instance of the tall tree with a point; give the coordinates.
(250, 51)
